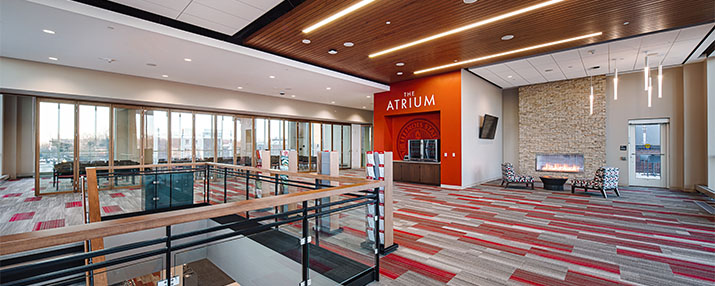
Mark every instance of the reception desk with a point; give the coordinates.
(427, 173)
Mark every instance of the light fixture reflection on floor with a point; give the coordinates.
(650, 92)
(645, 73)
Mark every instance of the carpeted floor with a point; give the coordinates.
(494, 236)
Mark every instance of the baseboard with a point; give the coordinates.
(705, 190)
(451, 187)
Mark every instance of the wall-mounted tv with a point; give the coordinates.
(489, 127)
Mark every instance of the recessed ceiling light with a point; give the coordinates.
(328, 88)
(338, 15)
(368, 96)
(400, 64)
(348, 44)
(164, 75)
(49, 31)
(510, 52)
(52, 58)
(332, 51)
(272, 76)
(292, 95)
(388, 22)
(626, 23)
(455, 61)
(399, 73)
(364, 107)
(509, 76)
(467, 27)
(306, 41)
(240, 87)
(507, 37)
(187, 59)
(333, 102)
(469, 1)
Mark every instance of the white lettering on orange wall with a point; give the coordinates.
(410, 101)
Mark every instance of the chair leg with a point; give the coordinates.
(502, 183)
(603, 192)
(507, 185)
(573, 189)
(532, 185)
(616, 190)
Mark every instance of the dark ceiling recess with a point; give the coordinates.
(151, 17)
(270, 16)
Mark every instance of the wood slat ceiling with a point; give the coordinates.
(414, 19)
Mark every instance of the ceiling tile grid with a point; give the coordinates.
(666, 48)
(224, 16)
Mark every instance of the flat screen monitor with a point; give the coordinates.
(489, 127)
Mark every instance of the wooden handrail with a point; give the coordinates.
(15, 243)
(237, 167)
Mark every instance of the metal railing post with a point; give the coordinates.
(225, 183)
(168, 254)
(317, 216)
(275, 192)
(377, 234)
(207, 182)
(305, 242)
(248, 182)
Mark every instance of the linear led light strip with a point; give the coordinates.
(509, 52)
(467, 27)
(337, 15)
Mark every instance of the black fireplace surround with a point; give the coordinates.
(562, 163)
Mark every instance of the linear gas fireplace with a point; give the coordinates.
(565, 163)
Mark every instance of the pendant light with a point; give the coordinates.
(590, 98)
(650, 92)
(660, 81)
(645, 74)
(615, 81)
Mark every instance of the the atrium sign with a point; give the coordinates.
(409, 100)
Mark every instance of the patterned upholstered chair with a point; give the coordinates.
(606, 178)
(509, 176)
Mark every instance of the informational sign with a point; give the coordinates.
(409, 101)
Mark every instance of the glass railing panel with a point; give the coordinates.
(344, 245)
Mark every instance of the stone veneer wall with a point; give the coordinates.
(554, 118)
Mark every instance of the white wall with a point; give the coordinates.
(481, 158)
(60, 81)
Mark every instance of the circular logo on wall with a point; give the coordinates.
(418, 128)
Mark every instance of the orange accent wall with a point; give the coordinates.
(400, 102)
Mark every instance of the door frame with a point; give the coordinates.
(664, 124)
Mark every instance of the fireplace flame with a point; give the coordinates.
(560, 167)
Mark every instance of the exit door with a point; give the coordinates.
(648, 157)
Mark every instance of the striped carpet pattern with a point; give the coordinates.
(495, 236)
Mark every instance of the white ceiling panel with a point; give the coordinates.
(232, 7)
(264, 5)
(526, 71)
(214, 15)
(667, 48)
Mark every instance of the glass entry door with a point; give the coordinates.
(648, 153)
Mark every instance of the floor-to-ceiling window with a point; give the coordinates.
(347, 147)
(327, 142)
(365, 143)
(181, 137)
(93, 138)
(316, 144)
(56, 129)
(291, 135)
(244, 141)
(224, 138)
(204, 143)
(156, 136)
(277, 140)
(127, 136)
(303, 142)
(337, 142)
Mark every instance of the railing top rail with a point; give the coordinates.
(15, 243)
(243, 168)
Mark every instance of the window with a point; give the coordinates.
(316, 132)
(56, 138)
(224, 132)
(262, 134)
(93, 136)
(156, 137)
(327, 137)
(303, 139)
(244, 141)
(291, 136)
(365, 142)
(337, 142)
(181, 137)
(127, 136)
(205, 137)
(345, 156)
(276, 137)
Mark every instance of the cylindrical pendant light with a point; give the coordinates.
(660, 81)
(650, 93)
(645, 74)
(615, 82)
(590, 99)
